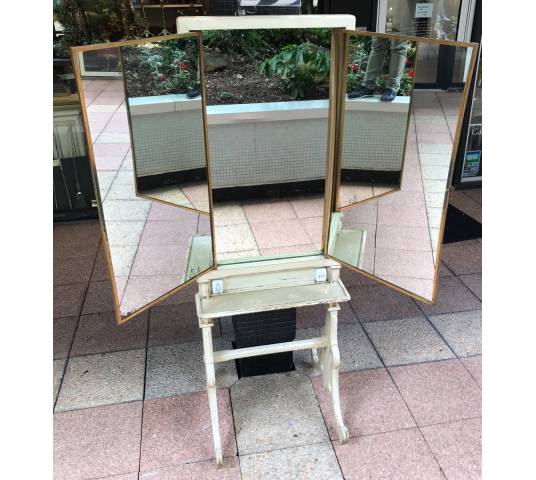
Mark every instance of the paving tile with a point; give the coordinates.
(100, 268)
(376, 302)
(444, 271)
(403, 238)
(234, 238)
(100, 333)
(142, 290)
(126, 476)
(370, 403)
(473, 282)
(122, 259)
(404, 263)
(463, 259)
(313, 227)
(170, 232)
(404, 215)
(309, 462)
(68, 299)
(184, 295)
(354, 347)
(401, 455)
(438, 392)
(64, 249)
(362, 213)
(160, 260)
(280, 233)
(102, 379)
(99, 298)
(422, 287)
(179, 368)
(64, 328)
(409, 340)
(110, 149)
(72, 269)
(267, 210)
(202, 470)
(474, 365)
(229, 214)
(177, 430)
(306, 207)
(315, 316)
(276, 411)
(79, 438)
(352, 278)
(161, 211)
(310, 248)
(58, 369)
(124, 232)
(175, 324)
(457, 446)
(86, 232)
(452, 296)
(135, 210)
(462, 331)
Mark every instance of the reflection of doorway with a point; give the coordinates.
(443, 19)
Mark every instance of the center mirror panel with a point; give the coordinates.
(267, 110)
(153, 247)
(375, 118)
(164, 105)
(397, 238)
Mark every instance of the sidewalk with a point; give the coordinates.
(129, 401)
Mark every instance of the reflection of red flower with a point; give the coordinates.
(411, 73)
(183, 66)
(355, 67)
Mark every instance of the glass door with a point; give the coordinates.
(441, 19)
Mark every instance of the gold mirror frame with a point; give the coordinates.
(338, 122)
(75, 55)
(337, 83)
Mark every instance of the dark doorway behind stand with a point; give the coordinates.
(264, 328)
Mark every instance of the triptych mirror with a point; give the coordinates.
(196, 168)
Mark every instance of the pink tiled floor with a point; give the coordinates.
(409, 421)
(403, 226)
(419, 420)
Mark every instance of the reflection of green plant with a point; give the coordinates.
(258, 44)
(226, 96)
(158, 69)
(302, 67)
(93, 21)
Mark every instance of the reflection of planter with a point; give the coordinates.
(168, 134)
(262, 143)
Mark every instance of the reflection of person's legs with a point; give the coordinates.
(375, 62)
(397, 64)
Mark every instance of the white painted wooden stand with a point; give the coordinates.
(273, 285)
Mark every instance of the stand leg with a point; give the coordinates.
(330, 362)
(211, 390)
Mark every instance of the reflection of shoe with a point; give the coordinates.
(361, 93)
(193, 92)
(388, 96)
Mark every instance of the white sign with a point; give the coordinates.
(424, 10)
